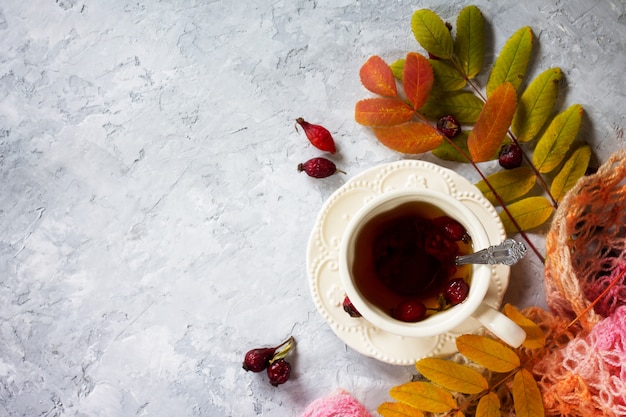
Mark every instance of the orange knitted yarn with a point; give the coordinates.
(585, 373)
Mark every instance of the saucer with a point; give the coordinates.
(323, 252)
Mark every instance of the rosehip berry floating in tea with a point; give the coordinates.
(278, 372)
(349, 308)
(449, 126)
(319, 167)
(510, 156)
(456, 291)
(451, 228)
(318, 135)
(410, 311)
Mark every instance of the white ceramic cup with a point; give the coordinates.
(443, 321)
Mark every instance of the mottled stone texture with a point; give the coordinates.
(153, 224)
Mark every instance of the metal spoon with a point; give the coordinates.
(508, 253)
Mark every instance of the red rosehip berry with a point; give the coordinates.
(278, 372)
(319, 167)
(456, 291)
(318, 135)
(449, 126)
(510, 156)
(410, 311)
(349, 308)
(451, 228)
(257, 360)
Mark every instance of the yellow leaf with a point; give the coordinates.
(469, 45)
(432, 34)
(489, 353)
(488, 406)
(571, 172)
(390, 409)
(535, 337)
(512, 62)
(425, 396)
(452, 376)
(510, 184)
(526, 395)
(529, 213)
(493, 123)
(535, 105)
(555, 142)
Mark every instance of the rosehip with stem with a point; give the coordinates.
(319, 167)
(318, 135)
(456, 291)
(258, 359)
(451, 228)
(278, 372)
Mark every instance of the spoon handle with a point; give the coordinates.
(508, 253)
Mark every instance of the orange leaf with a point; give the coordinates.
(409, 138)
(493, 123)
(535, 337)
(425, 396)
(417, 79)
(382, 112)
(526, 395)
(390, 409)
(378, 78)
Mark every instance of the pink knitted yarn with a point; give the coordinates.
(337, 404)
(588, 376)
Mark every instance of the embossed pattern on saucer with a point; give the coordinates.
(323, 251)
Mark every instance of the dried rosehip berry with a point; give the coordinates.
(257, 360)
(349, 308)
(510, 156)
(318, 135)
(410, 311)
(449, 126)
(456, 291)
(451, 228)
(278, 372)
(319, 167)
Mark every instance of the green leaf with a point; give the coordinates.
(447, 152)
(529, 213)
(432, 33)
(489, 353)
(488, 406)
(554, 144)
(424, 396)
(511, 64)
(510, 184)
(397, 67)
(447, 78)
(463, 105)
(572, 171)
(452, 376)
(536, 104)
(469, 46)
(527, 398)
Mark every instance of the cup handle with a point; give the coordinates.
(500, 325)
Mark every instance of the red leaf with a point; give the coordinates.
(417, 79)
(409, 138)
(493, 123)
(382, 112)
(378, 78)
